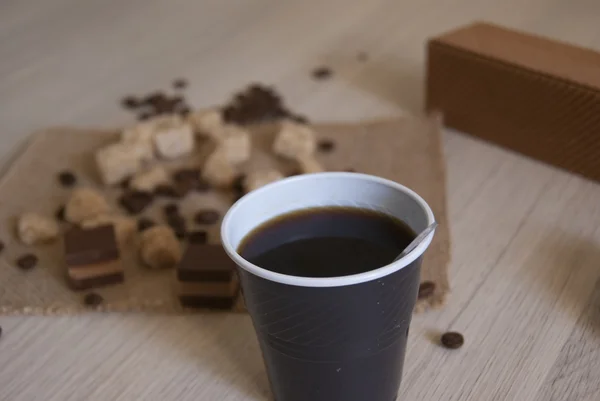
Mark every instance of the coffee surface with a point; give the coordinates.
(326, 242)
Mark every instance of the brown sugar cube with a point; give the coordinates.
(33, 228)
(309, 165)
(118, 161)
(218, 171)
(150, 179)
(234, 142)
(259, 179)
(125, 227)
(159, 247)
(84, 204)
(294, 141)
(207, 122)
(92, 257)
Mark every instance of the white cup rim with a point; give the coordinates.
(325, 281)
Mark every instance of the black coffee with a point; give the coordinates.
(326, 242)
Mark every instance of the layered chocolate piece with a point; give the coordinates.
(92, 257)
(206, 278)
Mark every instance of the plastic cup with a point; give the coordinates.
(335, 338)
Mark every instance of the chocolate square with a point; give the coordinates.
(203, 262)
(90, 246)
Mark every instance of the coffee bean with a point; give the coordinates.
(145, 116)
(180, 233)
(124, 184)
(426, 289)
(171, 209)
(207, 216)
(67, 178)
(326, 145)
(198, 237)
(183, 111)
(322, 73)
(452, 340)
(167, 191)
(92, 299)
(134, 202)
(60, 214)
(130, 102)
(176, 222)
(27, 261)
(145, 223)
(238, 183)
(180, 83)
(1, 246)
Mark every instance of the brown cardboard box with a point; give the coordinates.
(530, 94)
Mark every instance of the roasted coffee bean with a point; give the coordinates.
(326, 145)
(27, 261)
(183, 111)
(1, 246)
(452, 340)
(67, 178)
(175, 221)
(207, 216)
(322, 73)
(60, 214)
(154, 98)
(130, 102)
(135, 201)
(426, 289)
(171, 209)
(180, 83)
(198, 237)
(145, 223)
(167, 191)
(93, 299)
(180, 233)
(238, 183)
(145, 116)
(124, 184)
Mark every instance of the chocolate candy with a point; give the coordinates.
(206, 263)
(93, 299)
(206, 278)
(92, 257)
(135, 202)
(85, 247)
(426, 289)
(67, 178)
(206, 216)
(27, 261)
(452, 340)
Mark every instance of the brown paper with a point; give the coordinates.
(407, 151)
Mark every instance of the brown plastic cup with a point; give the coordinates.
(335, 338)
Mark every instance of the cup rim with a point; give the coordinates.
(325, 281)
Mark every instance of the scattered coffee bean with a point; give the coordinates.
(198, 237)
(180, 233)
(67, 178)
(130, 102)
(176, 222)
(145, 116)
(426, 289)
(92, 299)
(322, 73)
(27, 261)
(166, 191)
(452, 340)
(207, 216)
(60, 214)
(135, 201)
(1, 246)
(326, 145)
(125, 183)
(145, 223)
(180, 83)
(171, 209)
(238, 183)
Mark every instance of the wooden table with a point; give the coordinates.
(526, 269)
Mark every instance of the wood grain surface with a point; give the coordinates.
(526, 255)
